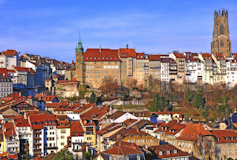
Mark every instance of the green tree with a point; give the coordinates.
(198, 100)
(158, 103)
(64, 154)
(93, 98)
(87, 155)
(188, 96)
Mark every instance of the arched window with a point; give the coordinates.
(221, 29)
(222, 43)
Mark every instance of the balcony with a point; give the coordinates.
(50, 148)
(12, 140)
(37, 138)
(12, 145)
(37, 150)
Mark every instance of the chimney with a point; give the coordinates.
(111, 110)
(100, 49)
(127, 46)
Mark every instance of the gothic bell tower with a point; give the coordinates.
(80, 65)
(221, 39)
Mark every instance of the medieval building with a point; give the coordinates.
(221, 39)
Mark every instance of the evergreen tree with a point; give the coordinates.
(188, 95)
(93, 98)
(198, 100)
(64, 154)
(158, 103)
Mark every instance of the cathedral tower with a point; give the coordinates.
(80, 65)
(221, 39)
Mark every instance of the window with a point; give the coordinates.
(89, 138)
(221, 29)
(62, 137)
(140, 140)
(62, 144)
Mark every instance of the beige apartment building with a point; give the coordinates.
(220, 62)
(226, 143)
(155, 66)
(101, 63)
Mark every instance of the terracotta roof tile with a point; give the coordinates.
(104, 55)
(225, 136)
(122, 150)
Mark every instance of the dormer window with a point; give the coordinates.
(103, 58)
(168, 152)
(175, 151)
(107, 57)
(91, 58)
(98, 57)
(87, 58)
(94, 57)
(160, 153)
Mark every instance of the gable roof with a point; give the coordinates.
(192, 132)
(164, 154)
(122, 150)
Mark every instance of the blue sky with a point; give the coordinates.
(50, 27)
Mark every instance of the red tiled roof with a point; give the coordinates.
(22, 123)
(10, 52)
(76, 128)
(20, 69)
(219, 56)
(13, 156)
(49, 98)
(104, 55)
(41, 120)
(124, 53)
(179, 55)
(225, 136)
(154, 57)
(122, 150)
(9, 130)
(175, 129)
(167, 147)
(206, 56)
(4, 71)
(140, 56)
(192, 132)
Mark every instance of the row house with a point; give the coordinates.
(155, 66)
(181, 65)
(194, 70)
(63, 131)
(140, 62)
(9, 58)
(11, 139)
(6, 86)
(231, 72)
(165, 78)
(208, 68)
(220, 61)
(44, 134)
(226, 143)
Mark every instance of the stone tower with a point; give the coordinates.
(80, 65)
(221, 39)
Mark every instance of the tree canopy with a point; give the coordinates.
(64, 154)
(110, 86)
(159, 103)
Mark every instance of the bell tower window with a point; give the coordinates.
(221, 29)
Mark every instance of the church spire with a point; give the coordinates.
(79, 48)
(79, 37)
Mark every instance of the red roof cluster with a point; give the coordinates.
(225, 136)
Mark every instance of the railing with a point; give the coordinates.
(37, 150)
(50, 148)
